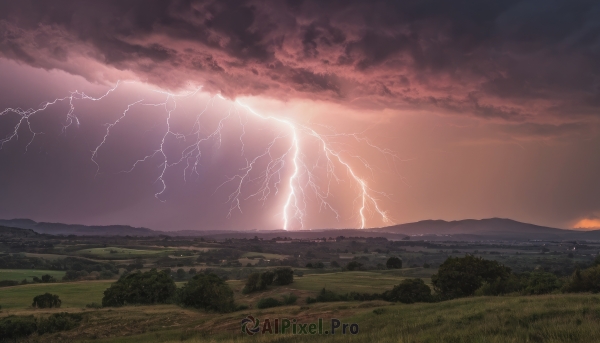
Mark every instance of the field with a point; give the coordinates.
(548, 318)
(264, 255)
(72, 294)
(20, 274)
(122, 253)
(344, 282)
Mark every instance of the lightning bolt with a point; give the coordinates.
(304, 176)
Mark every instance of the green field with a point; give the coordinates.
(264, 255)
(548, 318)
(122, 253)
(72, 294)
(20, 274)
(344, 282)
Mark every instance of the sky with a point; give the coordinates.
(300, 114)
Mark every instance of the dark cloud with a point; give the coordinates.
(511, 60)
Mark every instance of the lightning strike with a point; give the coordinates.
(302, 179)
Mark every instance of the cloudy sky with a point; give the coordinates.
(410, 110)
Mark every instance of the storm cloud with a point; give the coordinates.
(503, 60)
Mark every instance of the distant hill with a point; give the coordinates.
(12, 232)
(79, 230)
(492, 228)
(431, 230)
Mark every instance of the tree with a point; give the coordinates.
(47, 278)
(353, 265)
(587, 280)
(46, 300)
(180, 274)
(266, 279)
(251, 283)
(207, 291)
(393, 263)
(151, 287)
(284, 276)
(409, 291)
(541, 283)
(461, 276)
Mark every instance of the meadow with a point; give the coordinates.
(546, 318)
(28, 274)
(72, 294)
(123, 253)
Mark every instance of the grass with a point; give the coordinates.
(20, 274)
(551, 318)
(344, 282)
(264, 255)
(120, 253)
(72, 294)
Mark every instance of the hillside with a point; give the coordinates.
(79, 230)
(492, 228)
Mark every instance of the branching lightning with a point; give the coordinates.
(290, 171)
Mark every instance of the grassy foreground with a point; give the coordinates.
(550, 318)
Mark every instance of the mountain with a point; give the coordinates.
(13, 232)
(79, 230)
(492, 228)
(431, 230)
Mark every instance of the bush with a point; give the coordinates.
(251, 283)
(47, 278)
(393, 263)
(409, 291)
(268, 303)
(59, 322)
(584, 281)
(290, 299)
(284, 276)
(13, 327)
(46, 300)
(541, 283)
(462, 276)
(93, 305)
(151, 287)
(500, 286)
(266, 279)
(207, 291)
(353, 265)
(8, 283)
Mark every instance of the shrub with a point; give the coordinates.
(46, 300)
(151, 287)
(393, 263)
(251, 283)
(8, 283)
(207, 291)
(266, 279)
(290, 299)
(284, 276)
(409, 291)
(13, 327)
(59, 322)
(462, 276)
(587, 280)
(353, 265)
(93, 305)
(48, 278)
(500, 286)
(541, 283)
(268, 302)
